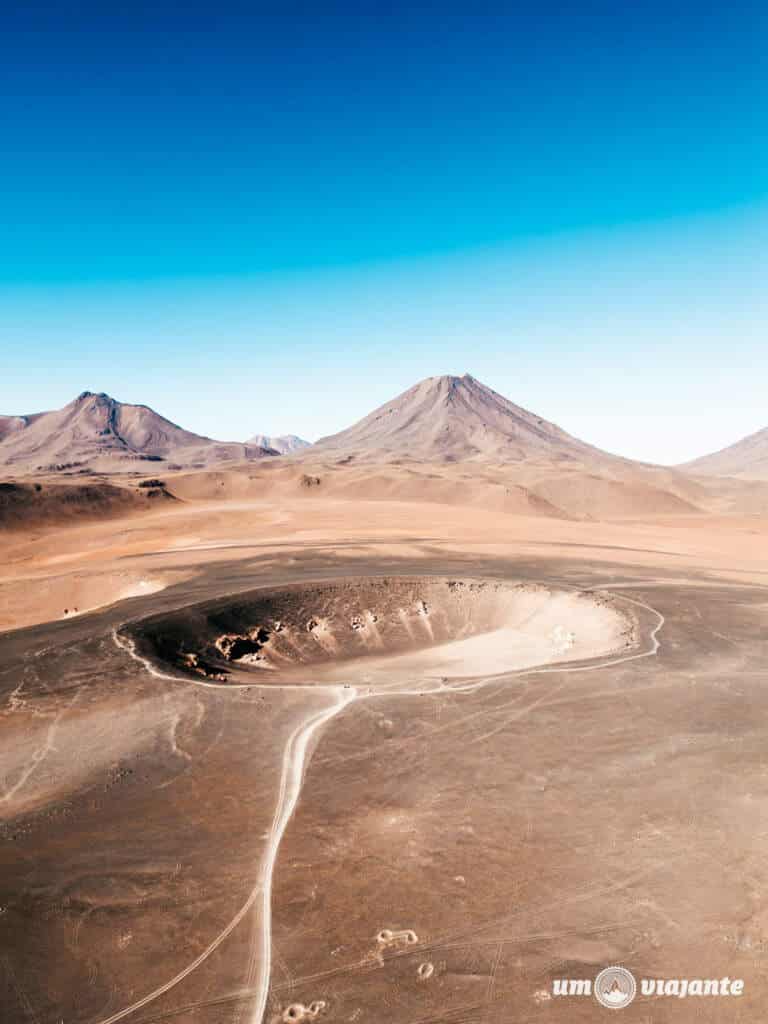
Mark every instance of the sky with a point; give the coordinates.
(271, 221)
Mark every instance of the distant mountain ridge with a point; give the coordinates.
(96, 432)
(747, 458)
(283, 444)
(396, 449)
(13, 424)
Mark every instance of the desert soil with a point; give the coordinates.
(434, 843)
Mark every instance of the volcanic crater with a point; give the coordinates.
(366, 629)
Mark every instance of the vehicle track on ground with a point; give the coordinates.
(292, 774)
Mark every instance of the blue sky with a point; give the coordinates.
(258, 221)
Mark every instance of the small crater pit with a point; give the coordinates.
(296, 1013)
(387, 938)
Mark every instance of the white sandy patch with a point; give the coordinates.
(536, 627)
(556, 627)
(27, 602)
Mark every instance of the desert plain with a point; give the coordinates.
(325, 737)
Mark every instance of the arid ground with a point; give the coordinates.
(383, 513)
(373, 832)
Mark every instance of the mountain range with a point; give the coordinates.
(747, 458)
(96, 433)
(444, 419)
(283, 444)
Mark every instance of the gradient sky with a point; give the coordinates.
(255, 221)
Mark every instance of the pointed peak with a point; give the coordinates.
(450, 379)
(445, 380)
(449, 418)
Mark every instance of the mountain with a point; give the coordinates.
(13, 424)
(747, 458)
(458, 418)
(457, 437)
(283, 444)
(98, 433)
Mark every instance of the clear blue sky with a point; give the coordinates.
(273, 222)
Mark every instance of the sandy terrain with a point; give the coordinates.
(44, 598)
(397, 729)
(186, 536)
(428, 829)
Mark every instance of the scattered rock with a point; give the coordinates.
(194, 662)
